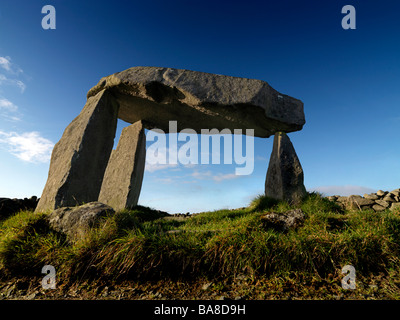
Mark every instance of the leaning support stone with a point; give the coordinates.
(79, 159)
(285, 178)
(124, 174)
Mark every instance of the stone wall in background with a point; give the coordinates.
(378, 201)
(11, 206)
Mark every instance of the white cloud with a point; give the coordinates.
(14, 71)
(201, 175)
(9, 111)
(5, 63)
(28, 146)
(221, 177)
(154, 162)
(166, 180)
(208, 175)
(346, 190)
(155, 167)
(19, 84)
(261, 158)
(9, 117)
(13, 82)
(7, 105)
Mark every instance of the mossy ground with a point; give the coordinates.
(139, 254)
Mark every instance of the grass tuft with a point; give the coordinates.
(143, 243)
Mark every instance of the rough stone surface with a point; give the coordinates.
(381, 193)
(378, 208)
(79, 159)
(285, 178)
(389, 198)
(358, 202)
(283, 222)
(383, 203)
(371, 196)
(76, 221)
(395, 206)
(200, 100)
(396, 193)
(124, 174)
(378, 201)
(341, 199)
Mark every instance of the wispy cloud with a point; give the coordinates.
(10, 67)
(155, 162)
(5, 63)
(12, 72)
(13, 82)
(8, 110)
(208, 175)
(150, 167)
(28, 146)
(260, 158)
(166, 180)
(345, 190)
(201, 175)
(221, 177)
(7, 105)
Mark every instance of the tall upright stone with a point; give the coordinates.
(79, 159)
(124, 174)
(285, 178)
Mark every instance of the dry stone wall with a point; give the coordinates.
(378, 201)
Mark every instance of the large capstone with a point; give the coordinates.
(285, 178)
(200, 100)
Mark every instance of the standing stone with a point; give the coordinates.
(124, 174)
(79, 159)
(285, 178)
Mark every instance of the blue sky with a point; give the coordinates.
(349, 82)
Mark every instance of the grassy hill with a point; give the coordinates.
(141, 254)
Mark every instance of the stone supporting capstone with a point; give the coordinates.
(79, 159)
(285, 178)
(82, 171)
(124, 174)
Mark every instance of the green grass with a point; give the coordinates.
(140, 243)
